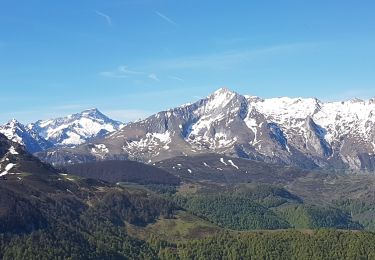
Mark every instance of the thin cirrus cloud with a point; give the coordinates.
(121, 72)
(165, 18)
(228, 59)
(176, 78)
(125, 72)
(107, 18)
(217, 61)
(153, 76)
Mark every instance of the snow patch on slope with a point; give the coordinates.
(100, 148)
(223, 162)
(232, 163)
(12, 150)
(152, 142)
(7, 169)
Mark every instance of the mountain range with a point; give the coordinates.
(66, 131)
(303, 132)
(113, 209)
(22, 135)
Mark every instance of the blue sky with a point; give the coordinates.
(131, 58)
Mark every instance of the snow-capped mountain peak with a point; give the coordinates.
(220, 98)
(92, 112)
(77, 128)
(13, 122)
(11, 129)
(17, 132)
(222, 91)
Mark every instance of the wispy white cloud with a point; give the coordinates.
(165, 18)
(121, 72)
(153, 76)
(176, 78)
(125, 72)
(231, 59)
(227, 59)
(105, 16)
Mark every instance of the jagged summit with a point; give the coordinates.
(13, 121)
(91, 112)
(63, 131)
(222, 93)
(77, 128)
(223, 90)
(19, 133)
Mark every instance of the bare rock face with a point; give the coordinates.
(295, 131)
